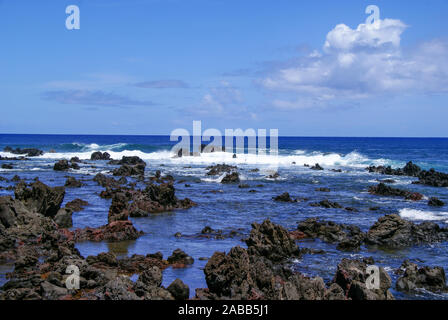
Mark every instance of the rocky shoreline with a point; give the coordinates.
(36, 235)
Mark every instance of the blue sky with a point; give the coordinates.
(308, 68)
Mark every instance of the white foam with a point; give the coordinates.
(299, 157)
(419, 215)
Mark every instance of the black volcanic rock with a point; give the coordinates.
(30, 152)
(100, 156)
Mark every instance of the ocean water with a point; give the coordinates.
(236, 208)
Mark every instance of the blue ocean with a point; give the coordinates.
(228, 207)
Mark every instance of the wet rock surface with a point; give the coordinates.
(261, 272)
(414, 278)
(220, 169)
(430, 177)
(393, 231)
(29, 152)
(233, 177)
(384, 190)
(348, 237)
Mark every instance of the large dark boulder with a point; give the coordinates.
(271, 241)
(414, 278)
(384, 190)
(179, 290)
(393, 231)
(351, 276)
(100, 156)
(284, 197)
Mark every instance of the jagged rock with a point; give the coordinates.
(243, 276)
(118, 209)
(414, 278)
(105, 181)
(433, 178)
(393, 231)
(30, 152)
(7, 166)
(348, 237)
(351, 276)
(383, 190)
(119, 288)
(151, 277)
(114, 231)
(40, 198)
(430, 178)
(220, 169)
(130, 170)
(271, 241)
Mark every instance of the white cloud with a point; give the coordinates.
(360, 63)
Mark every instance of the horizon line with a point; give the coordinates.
(167, 135)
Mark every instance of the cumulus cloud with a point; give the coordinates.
(360, 63)
(93, 98)
(162, 84)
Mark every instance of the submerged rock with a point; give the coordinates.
(181, 258)
(316, 167)
(76, 205)
(348, 237)
(326, 204)
(231, 178)
(383, 190)
(220, 169)
(284, 197)
(71, 182)
(435, 202)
